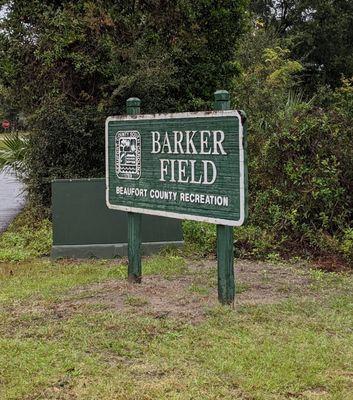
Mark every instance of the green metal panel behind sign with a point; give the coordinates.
(188, 166)
(84, 227)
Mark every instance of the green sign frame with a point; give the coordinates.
(183, 165)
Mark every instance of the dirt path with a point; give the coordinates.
(12, 198)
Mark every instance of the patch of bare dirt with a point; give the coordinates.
(190, 296)
(332, 264)
(270, 283)
(187, 297)
(155, 296)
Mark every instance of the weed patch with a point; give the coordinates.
(26, 238)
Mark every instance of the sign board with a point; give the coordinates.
(186, 165)
(5, 124)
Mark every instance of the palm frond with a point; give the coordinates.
(13, 152)
(295, 99)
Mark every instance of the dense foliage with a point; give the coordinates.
(318, 32)
(27, 237)
(67, 65)
(300, 158)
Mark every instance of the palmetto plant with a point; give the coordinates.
(13, 151)
(295, 99)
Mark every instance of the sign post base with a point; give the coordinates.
(225, 252)
(225, 261)
(134, 219)
(134, 247)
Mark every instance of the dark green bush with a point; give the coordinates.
(27, 237)
(68, 65)
(199, 237)
(347, 245)
(300, 159)
(303, 176)
(66, 143)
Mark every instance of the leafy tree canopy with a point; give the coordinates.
(172, 54)
(69, 64)
(319, 32)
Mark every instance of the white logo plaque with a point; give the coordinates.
(128, 154)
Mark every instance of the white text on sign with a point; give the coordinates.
(182, 142)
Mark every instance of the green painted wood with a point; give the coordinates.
(134, 247)
(134, 220)
(246, 179)
(221, 100)
(225, 261)
(184, 165)
(169, 173)
(225, 252)
(133, 105)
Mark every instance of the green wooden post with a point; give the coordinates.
(225, 254)
(134, 219)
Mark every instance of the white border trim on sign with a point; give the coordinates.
(218, 221)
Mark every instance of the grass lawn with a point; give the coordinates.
(78, 330)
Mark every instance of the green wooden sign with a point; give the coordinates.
(186, 165)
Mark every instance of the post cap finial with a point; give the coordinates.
(221, 95)
(133, 102)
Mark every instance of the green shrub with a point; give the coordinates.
(26, 238)
(252, 241)
(199, 237)
(300, 153)
(66, 142)
(347, 245)
(13, 153)
(249, 240)
(68, 65)
(303, 175)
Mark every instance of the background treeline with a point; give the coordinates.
(66, 65)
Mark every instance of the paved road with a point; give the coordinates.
(12, 198)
